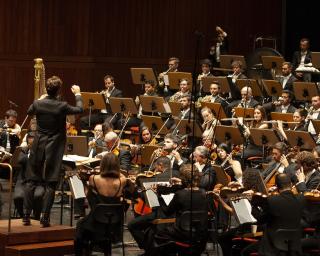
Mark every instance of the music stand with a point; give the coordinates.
(152, 104)
(154, 123)
(256, 90)
(304, 91)
(316, 125)
(222, 81)
(226, 61)
(175, 108)
(146, 153)
(264, 137)
(91, 101)
(175, 78)
(228, 133)
(285, 117)
(221, 175)
(123, 105)
(244, 112)
(272, 62)
(272, 87)
(216, 109)
(315, 56)
(186, 128)
(304, 140)
(142, 75)
(76, 145)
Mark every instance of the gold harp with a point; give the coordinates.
(39, 78)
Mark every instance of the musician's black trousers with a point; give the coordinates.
(48, 197)
(18, 197)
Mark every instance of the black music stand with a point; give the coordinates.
(304, 91)
(272, 87)
(142, 75)
(175, 78)
(185, 127)
(123, 105)
(216, 109)
(146, 154)
(221, 175)
(285, 117)
(244, 112)
(152, 104)
(155, 123)
(226, 61)
(304, 140)
(76, 145)
(228, 134)
(209, 80)
(93, 101)
(175, 108)
(256, 90)
(264, 137)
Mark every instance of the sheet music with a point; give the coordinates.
(166, 79)
(151, 196)
(167, 107)
(77, 187)
(75, 158)
(168, 198)
(243, 208)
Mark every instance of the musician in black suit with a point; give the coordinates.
(314, 114)
(287, 78)
(302, 57)
(48, 147)
(282, 211)
(98, 118)
(247, 101)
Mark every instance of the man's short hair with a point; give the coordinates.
(289, 64)
(282, 181)
(110, 136)
(108, 76)
(307, 158)
(172, 137)
(204, 151)
(280, 146)
(175, 59)
(53, 85)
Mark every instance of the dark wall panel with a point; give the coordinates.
(82, 40)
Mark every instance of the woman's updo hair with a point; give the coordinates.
(110, 166)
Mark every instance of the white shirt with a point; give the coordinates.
(311, 128)
(303, 57)
(285, 80)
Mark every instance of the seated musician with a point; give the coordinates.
(9, 131)
(98, 118)
(247, 100)
(313, 114)
(279, 164)
(282, 105)
(185, 101)
(184, 89)
(259, 117)
(231, 166)
(236, 66)
(283, 211)
(299, 116)
(111, 140)
(181, 203)
(203, 165)
(18, 194)
(107, 187)
(205, 68)
(97, 141)
(209, 120)
(163, 90)
(287, 78)
(32, 128)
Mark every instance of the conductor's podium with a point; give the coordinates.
(34, 240)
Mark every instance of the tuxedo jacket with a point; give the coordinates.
(48, 146)
(297, 57)
(289, 83)
(291, 109)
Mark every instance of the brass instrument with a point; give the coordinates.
(39, 78)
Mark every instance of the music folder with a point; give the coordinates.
(242, 209)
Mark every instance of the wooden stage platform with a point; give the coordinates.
(34, 240)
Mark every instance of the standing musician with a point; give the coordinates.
(48, 147)
(9, 131)
(231, 166)
(184, 89)
(302, 57)
(108, 187)
(287, 79)
(220, 47)
(163, 90)
(98, 118)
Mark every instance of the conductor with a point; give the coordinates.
(47, 150)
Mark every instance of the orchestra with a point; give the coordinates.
(179, 163)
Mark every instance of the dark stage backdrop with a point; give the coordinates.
(82, 40)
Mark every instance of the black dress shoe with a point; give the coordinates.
(45, 220)
(26, 220)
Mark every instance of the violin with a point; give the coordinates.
(71, 130)
(312, 196)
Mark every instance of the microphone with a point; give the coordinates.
(13, 104)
